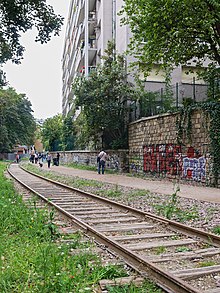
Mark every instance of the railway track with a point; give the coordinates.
(179, 258)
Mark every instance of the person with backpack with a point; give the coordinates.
(101, 160)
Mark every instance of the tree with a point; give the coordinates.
(51, 133)
(17, 124)
(108, 91)
(17, 17)
(68, 136)
(171, 32)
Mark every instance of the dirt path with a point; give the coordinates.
(164, 187)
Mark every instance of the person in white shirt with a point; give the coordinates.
(101, 159)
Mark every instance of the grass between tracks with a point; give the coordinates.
(32, 259)
(169, 209)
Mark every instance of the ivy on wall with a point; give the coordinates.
(184, 130)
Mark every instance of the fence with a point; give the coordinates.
(162, 100)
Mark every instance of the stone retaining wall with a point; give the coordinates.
(154, 148)
(117, 160)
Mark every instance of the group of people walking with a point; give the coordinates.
(40, 158)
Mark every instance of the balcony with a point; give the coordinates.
(92, 5)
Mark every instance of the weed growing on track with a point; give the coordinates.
(171, 209)
(207, 263)
(33, 260)
(147, 287)
(216, 230)
(138, 192)
(76, 182)
(116, 192)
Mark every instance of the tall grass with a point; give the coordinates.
(32, 259)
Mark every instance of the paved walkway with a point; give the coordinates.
(164, 187)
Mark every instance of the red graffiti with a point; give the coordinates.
(162, 158)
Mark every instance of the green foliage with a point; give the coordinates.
(160, 250)
(69, 180)
(116, 192)
(171, 210)
(51, 132)
(30, 259)
(20, 16)
(216, 230)
(108, 91)
(183, 249)
(170, 207)
(211, 75)
(68, 133)
(138, 192)
(184, 124)
(184, 127)
(147, 287)
(208, 263)
(17, 124)
(177, 32)
(83, 132)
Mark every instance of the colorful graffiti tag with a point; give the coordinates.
(168, 159)
(163, 158)
(194, 166)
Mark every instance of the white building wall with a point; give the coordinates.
(104, 29)
(104, 22)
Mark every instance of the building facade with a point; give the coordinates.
(91, 24)
(89, 28)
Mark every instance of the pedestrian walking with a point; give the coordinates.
(17, 158)
(32, 156)
(36, 158)
(101, 160)
(58, 159)
(49, 157)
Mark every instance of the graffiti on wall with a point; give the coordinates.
(162, 158)
(168, 159)
(194, 165)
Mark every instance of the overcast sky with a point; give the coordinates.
(40, 74)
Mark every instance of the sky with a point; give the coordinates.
(39, 76)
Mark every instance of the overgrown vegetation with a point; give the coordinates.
(216, 230)
(32, 261)
(114, 193)
(207, 263)
(172, 210)
(169, 209)
(109, 91)
(51, 133)
(147, 287)
(17, 124)
(211, 110)
(158, 38)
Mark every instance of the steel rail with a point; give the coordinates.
(166, 280)
(207, 237)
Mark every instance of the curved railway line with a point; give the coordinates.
(179, 258)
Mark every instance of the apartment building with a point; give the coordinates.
(89, 27)
(91, 24)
